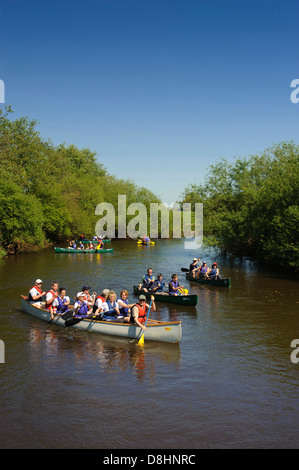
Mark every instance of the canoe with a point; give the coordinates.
(140, 242)
(188, 300)
(212, 282)
(169, 332)
(73, 250)
(94, 242)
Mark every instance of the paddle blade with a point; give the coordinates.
(141, 341)
(184, 270)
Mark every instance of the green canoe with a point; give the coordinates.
(73, 250)
(189, 300)
(85, 242)
(212, 282)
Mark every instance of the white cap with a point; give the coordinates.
(38, 281)
(80, 294)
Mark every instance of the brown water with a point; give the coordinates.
(230, 383)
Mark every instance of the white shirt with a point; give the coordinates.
(105, 306)
(55, 302)
(49, 296)
(34, 292)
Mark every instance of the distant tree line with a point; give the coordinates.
(251, 206)
(49, 193)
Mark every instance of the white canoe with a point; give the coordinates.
(170, 332)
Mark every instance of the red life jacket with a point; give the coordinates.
(48, 305)
(30, 299)
(141, 313)
(37, 288)
(94, 305)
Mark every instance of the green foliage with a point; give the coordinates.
(50, 193)
(251, 207)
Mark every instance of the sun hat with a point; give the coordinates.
(38, 281)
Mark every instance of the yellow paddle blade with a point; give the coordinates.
(183, 291)
(141, 341)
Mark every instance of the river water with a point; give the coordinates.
(230, 383)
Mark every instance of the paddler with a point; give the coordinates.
(36, 293)
(139, 311)
(51, 296)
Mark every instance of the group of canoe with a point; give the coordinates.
(86, 246)
(114, 318)
(101, 314)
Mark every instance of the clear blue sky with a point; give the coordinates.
(160, 89)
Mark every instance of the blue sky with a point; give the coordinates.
(159, 89)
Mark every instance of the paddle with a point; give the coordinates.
(185, 270)
(53, 318)
(141, 340)
(75, 320)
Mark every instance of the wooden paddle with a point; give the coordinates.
(141, 340)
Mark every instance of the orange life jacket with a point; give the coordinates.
(141, 314)
(49, 303)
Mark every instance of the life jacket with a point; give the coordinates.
(94, 308)
(155, 284)
(147, 281)
(141, 313)
(203, 270)
(62, 308)
(111, 313)
(30, 299)
(48, 305)
(146, 239)
(83, 309)
(171, 285)
(124, 310)
(213, 271)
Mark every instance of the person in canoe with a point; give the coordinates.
(214, 272)
(174, 285)
(51, 296)
(98, 302)
(110, 308)
(36, 293)
(194, 267)
(81, 246)
(100, 245)
(81, 309)
(60, 304)
(204, 271)
(90, 246)
(87, 297)
(147, 281)
(146, 240)
(139, 311)
(158, 285)
(73, 245)
(124, 306)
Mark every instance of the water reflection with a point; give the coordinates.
(57, 346)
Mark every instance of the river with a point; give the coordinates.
(229, 383)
